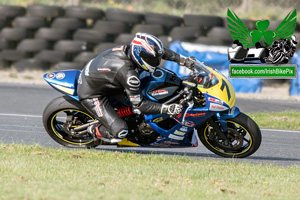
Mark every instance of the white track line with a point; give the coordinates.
(279, 130)
(38, 116)
(19, 115)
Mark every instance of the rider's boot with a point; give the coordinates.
(100, 132)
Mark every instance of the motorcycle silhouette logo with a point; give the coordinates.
(271, 46)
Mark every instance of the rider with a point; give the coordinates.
(116, 70)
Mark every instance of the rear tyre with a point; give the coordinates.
(55, 122)
(243, 134)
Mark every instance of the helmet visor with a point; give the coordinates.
(150, 59)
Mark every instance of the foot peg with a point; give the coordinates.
(110, 141)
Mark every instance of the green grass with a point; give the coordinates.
(254, 9)
(277, 120)
(34, 172)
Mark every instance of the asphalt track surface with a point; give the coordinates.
(21, 109)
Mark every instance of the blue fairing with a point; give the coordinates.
(164, 80)
(179, 135)
(64, 81)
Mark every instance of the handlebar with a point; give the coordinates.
(187, 98)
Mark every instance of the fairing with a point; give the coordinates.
(64, 81)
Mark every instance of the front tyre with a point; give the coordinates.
(243, 134)
(61, 115)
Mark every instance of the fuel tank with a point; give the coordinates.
(160, 85)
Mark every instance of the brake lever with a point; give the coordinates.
(191, 104)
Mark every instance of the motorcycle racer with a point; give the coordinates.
(116, 70)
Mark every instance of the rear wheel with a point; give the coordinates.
(61, 116)
(243, 134)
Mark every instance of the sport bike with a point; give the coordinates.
(208, 111)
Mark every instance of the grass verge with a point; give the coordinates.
(277, 120)
(254, 9)
(34, 172)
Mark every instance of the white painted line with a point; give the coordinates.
(19, 115)
(19, 131)
(279, 130)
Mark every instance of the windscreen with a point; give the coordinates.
(205, 77)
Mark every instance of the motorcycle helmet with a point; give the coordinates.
(146, 51)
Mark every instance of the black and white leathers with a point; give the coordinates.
(109, 74)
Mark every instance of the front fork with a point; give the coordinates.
(221, 118)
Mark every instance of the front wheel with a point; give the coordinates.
(243, 134)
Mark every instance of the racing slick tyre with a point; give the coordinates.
(243, 134)
(278, 56)
(63, 114)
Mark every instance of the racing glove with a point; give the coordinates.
(173, 109)
(189, 62)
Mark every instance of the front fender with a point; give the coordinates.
(223, 116)
(232, 113)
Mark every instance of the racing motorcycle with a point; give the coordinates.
(208, 111)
